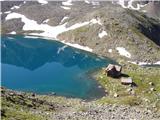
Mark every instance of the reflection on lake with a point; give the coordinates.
(44, 66)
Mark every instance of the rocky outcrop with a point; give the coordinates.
(113, 70)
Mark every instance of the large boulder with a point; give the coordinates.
(126, 80)
(113, 70)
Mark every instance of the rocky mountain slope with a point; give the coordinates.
(103, 26)
(29, 106)
(128, 30)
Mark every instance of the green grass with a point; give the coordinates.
(142, 93)
(14, 111)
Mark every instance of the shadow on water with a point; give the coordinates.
(45, 66)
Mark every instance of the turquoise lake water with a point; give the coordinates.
(45, 66)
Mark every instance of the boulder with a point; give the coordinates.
(126, 80)
(113, 70)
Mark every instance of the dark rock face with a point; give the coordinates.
(113, 70)
(153, 9)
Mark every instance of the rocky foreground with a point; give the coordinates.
(29, 106)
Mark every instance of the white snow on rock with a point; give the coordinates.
(86, 48)
(122, 51)
(95, 3)
(87, 1)
(102, 34)
(66, 8)
(7, 12)
(51, 31)
(109, 50)
(35, 37)
(63, 19)
(157, 63)
(67, 3)
(144, 63)
(46, 21)
(61, 49)
(43, 2)
(15, 7)
(13, 32)
(96, 21)
(130, 5)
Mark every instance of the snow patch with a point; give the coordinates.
(64, 18)
(78, 46)
(110, 50)
(7, 12)
(122, 51)
(145, 63)
(102, 34)
(67, 3)
(15, 7)
(35, 37)
(96, 21)
(130, 5)
(144, 11)
(13, 32)
(43, 2)
(157, 63)
(46, 21)
(86, 1)
(50, 31)
(95, 3)
(66, 8)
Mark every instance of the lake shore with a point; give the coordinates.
(125, 106)
(39, 107)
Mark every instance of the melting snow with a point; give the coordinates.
(130, 5)
(45, 21)
(109, 50)
(13, 32)
(96, 21)
(86, 1)
(95, 3)
(102, 34)
(145, 63)
(43, 1)
(35, 37)
(15, 7)
(122, 51)
(66, 8)
(7, 12)
(50, 31)
(78, 46)
(67, 3)
(63, 19)
(157, 63)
